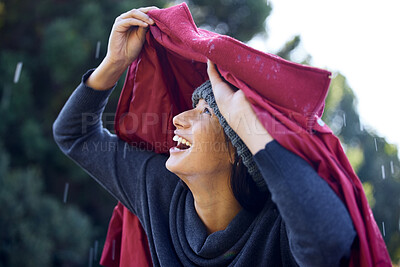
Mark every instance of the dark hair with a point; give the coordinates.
(243, 186)
(245, 189)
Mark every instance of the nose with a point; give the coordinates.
(182, 120)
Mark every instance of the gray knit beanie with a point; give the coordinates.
(205, 92)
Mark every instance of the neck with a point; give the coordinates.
(214, 201)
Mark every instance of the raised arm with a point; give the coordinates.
(126, 40)
(79, 132)
(319, 227)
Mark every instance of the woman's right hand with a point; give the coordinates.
(126, 40)
(128, 35)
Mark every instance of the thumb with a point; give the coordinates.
(213, 73)
(141, 32)
(222, 91)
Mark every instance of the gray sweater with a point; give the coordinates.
(302, 223)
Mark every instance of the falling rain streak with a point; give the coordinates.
(399, 224)
(383, 172)
(66, 192)
(91, 257)
(98, 49)
(383, 229)
(96, 247)
(344, 119)
(361, 127)
(17, 73)
(376, 145)
(391, 167)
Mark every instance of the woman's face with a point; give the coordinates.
(208, 152)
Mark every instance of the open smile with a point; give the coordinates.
(182, 144)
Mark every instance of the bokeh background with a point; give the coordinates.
(51, 212)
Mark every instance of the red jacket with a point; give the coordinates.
(288, 99)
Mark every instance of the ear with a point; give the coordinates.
(232, 153)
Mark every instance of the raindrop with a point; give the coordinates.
(383, 228)
(399, 224)
(383, 172)
(96, 247)
(66, 192)
(98, 49)
(125, 148)
(320, 122)
(391, 167)
(344, 119)
(376, 145)
(17, 73)
(222, 28)
(113, 250)
(91, 257)
(212, 47)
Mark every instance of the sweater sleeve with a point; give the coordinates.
(319, 227)
(120, 168)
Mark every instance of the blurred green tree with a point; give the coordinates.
(37, 230)
(57, 41)
(372, 157)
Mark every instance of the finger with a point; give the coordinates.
(142, 32)
(213, 73)
(137, 14)
(221, 89)
(147, 9)
(127, 23)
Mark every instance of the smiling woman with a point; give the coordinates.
(226, 195)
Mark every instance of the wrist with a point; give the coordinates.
(115, 64)
(106, 74)
(249, 128)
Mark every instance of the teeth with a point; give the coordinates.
(181, 140)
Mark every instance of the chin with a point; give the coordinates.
(168, 165)
(179, 167)
(173, 166)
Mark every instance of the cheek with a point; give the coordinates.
(212, 143)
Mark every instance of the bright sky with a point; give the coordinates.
(359, 38)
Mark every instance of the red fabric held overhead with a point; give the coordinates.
(288, 99)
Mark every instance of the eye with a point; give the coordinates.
(207, 111)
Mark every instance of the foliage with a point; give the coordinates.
(36, 229)
(56, 42)
(241, 19)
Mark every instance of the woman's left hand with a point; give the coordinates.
(238, 112)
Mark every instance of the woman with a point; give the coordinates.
(228, 194)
